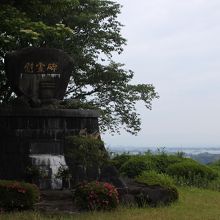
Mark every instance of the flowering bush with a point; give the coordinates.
(96, 196)
(17, 196)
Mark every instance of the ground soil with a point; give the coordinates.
(52, 201)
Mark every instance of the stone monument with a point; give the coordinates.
(33, 133)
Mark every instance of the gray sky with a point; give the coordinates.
(175, 45)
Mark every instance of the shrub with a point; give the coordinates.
(136, 165)
(214, 184)
(163, 161)
(17, 195)
(63, 172)
(96, 196)
(33, 173)
(192, 173)
(85, 150)
(119, 160)
(152, 178)
(215, 166)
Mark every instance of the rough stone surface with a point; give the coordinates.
(40, 74)
(56, 201)
(143, 194)
(39, 132)
(34, 127)
(111, 175)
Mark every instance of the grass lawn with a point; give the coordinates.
(194, 204)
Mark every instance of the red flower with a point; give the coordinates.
(96, 196)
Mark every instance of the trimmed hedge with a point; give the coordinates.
(192, 172)
(17, 195)
(163, 161)
(136, 165)
(215, 166)
(160, 161)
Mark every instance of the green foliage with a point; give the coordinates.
(33, 172)
(136, 165)
(96, 196)
(215, 166)
(119, 160)
(85, 151)
(17, 196)
(215, 184)
(76, 104)
(84, 154)
(153, 178)
(192, 173)
(185, 171)
(163, 161)
(89, 32)
(63, 173)
(193, 181)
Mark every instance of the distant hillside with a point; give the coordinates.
(205, 158)
(204, 155)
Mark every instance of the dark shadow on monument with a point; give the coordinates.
(34, 127)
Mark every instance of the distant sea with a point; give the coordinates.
(186, 150)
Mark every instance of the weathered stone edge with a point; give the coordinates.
(50, 113)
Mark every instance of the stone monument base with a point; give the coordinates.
(37, 137)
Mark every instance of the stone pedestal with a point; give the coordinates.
(37, 136)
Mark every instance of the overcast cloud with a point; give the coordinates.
(175, 45)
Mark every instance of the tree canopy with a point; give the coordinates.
(89, 31)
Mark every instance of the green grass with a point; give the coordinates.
(194, 204)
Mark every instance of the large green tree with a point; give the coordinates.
(89, 31)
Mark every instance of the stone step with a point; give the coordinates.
(56, 195)
(56, 201)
